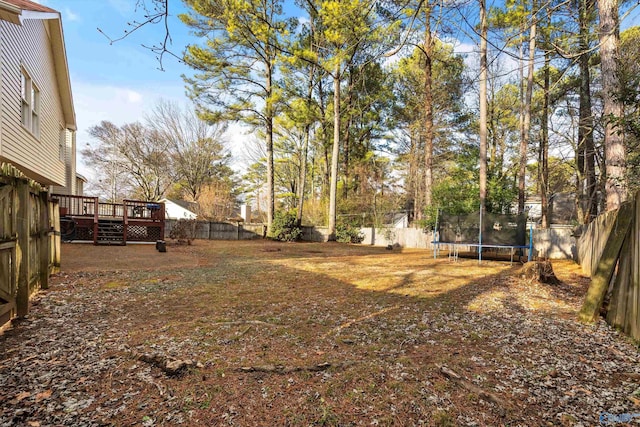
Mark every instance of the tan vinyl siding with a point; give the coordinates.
(70, 186)
(28, 47)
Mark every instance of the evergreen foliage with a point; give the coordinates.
(285, 227)
(367, 108)
(348, 232)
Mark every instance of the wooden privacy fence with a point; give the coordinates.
(214, 230)
(28, 253)
(609, 251)
(592, 241)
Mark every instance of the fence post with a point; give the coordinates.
(125, 221)
(56, 238)
(96, 216)
(22, 203)
(43, 239)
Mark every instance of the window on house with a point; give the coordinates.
(25, 99)
(35, 110)
(30, 104)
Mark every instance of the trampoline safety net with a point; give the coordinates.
(499, 229)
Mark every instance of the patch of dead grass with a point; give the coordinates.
(382, 318)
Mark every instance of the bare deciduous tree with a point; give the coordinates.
(130, 155)
(197, 148)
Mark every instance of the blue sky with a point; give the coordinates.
(122, 81)
(118, 82)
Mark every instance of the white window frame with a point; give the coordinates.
(35, 110)
(25, 89)
(30, 104)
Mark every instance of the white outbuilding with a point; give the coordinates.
(179, 209)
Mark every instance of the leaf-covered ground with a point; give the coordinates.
(265, 334)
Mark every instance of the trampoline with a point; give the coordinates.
(499, 231)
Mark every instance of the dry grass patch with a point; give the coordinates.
(326, 334)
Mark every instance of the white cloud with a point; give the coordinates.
(133, 97)
(70, 16)
(94, 103)
(469, 52)
(124, 7)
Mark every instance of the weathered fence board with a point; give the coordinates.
(607, 263)
(625, 297)
(620, 259)
(591, 243)
(556, 242)
(24, 243)
(7, 253)
(211, 230)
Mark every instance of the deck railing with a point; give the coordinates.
(76, 205)
(136, 209)
(138, 217)
(110, 210)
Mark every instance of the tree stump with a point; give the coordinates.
(540, 271)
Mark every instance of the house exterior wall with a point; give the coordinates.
(79, 186)
(28, 46)
(73, 185)
(174, 211)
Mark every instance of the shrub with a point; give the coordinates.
(184, 230)
(348, 232)
(284, 227)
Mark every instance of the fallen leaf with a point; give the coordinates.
(22, 396)
(43, 395)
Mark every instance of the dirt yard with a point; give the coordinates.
(268, 334)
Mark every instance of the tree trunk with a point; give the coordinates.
(428, 110)
(615, 155)
(526, 125)
(325, 142)
(417, 174)
(347, 133)
(305, 149)
(269, 134)
(413, 173)
(333, 190)
(483, 107)
(586, 186)
(492, 135)
(521, 120)
(302, 179)
(347, 147)
(544, 146)
(307, 136)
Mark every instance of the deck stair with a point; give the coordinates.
(110, 232)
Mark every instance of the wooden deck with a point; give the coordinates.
(85, 218)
